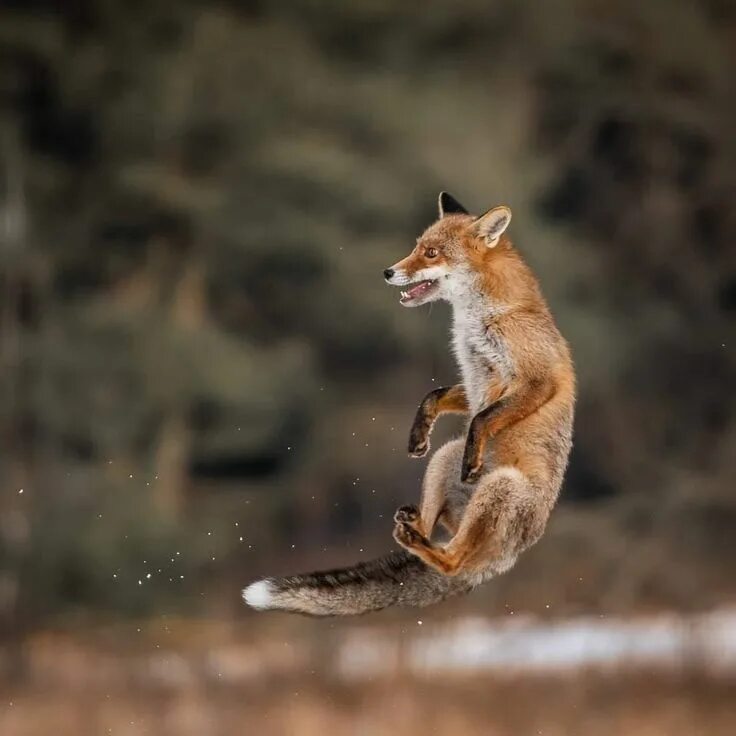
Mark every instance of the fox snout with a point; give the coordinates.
(396, 275)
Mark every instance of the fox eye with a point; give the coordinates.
(431, 252)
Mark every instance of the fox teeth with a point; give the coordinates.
(404, 294)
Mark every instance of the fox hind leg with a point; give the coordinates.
(442, 501)
(502, 518)
(499, 521)
(442, 472)
(438, 488)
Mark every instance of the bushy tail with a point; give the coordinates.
(399, 579)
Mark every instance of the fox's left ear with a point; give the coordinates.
(492, 224)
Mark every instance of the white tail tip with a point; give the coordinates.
(259, 595)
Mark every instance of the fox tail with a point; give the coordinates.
(398, 579)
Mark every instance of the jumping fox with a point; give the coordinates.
(494, 489)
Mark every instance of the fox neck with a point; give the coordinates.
(470, 297)
(487, 289)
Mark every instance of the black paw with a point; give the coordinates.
(418, 445)
(408, 514)
(406, 535)
(471, 471)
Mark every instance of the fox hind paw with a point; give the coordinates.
(408, 514)
(407, 536)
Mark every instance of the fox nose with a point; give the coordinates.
(388, 273)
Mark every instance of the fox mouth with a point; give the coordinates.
(416, 292)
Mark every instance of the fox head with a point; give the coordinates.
(449, 253)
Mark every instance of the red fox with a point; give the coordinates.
(493, 490)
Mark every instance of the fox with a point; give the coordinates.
(493, 489)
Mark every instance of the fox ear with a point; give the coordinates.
(448, 205)
(492, 224)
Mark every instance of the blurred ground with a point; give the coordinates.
(181, 677)
(581, 706)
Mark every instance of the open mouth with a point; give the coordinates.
(418, 290)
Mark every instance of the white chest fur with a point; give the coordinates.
(480, 352)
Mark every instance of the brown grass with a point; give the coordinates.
(307, 706)
(223, 681)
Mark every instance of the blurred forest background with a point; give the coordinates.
(203, 378)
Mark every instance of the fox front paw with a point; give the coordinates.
(406, 535)
(472, 470)
(418, 444)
